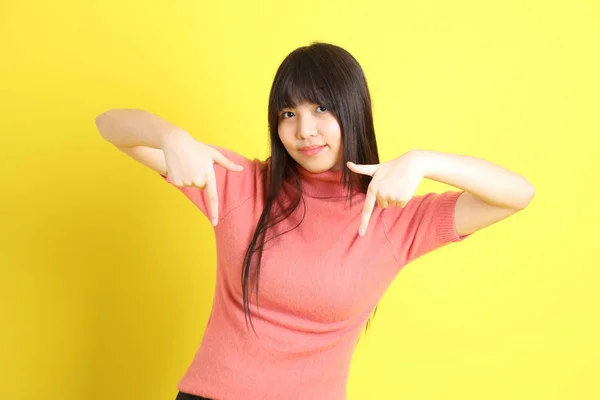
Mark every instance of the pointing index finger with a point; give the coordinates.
(367, 211)
(213, 201)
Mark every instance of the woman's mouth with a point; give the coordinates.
(312, 150)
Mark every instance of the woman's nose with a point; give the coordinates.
(306, 127)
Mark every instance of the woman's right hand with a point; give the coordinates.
(190, 163)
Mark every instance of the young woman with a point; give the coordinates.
(322, 226)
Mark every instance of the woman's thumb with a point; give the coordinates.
(226, 163)
(364, 169)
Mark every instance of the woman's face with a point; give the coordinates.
(312, 136)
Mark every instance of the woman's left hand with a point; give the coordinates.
(394, 183)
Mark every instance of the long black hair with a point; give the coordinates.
(330, 76)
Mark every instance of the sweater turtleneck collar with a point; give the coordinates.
(324, 184)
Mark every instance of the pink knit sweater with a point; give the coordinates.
(319, 284)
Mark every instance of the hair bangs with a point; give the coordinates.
(299, 82)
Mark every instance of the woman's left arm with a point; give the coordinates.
(492, 192)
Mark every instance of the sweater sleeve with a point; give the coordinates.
(233, 187)
(425, 224)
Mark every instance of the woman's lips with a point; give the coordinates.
(312, 151)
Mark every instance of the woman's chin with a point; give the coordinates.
(318, 168)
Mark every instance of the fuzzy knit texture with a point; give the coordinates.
(319, 284)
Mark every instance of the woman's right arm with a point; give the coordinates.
(168, 150)
(139, 134)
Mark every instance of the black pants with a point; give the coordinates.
(185, 396)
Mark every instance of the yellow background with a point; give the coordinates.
(107, 273)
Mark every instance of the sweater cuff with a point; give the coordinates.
(446, 227)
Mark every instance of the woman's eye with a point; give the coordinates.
(322, 108)
(287, 114)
